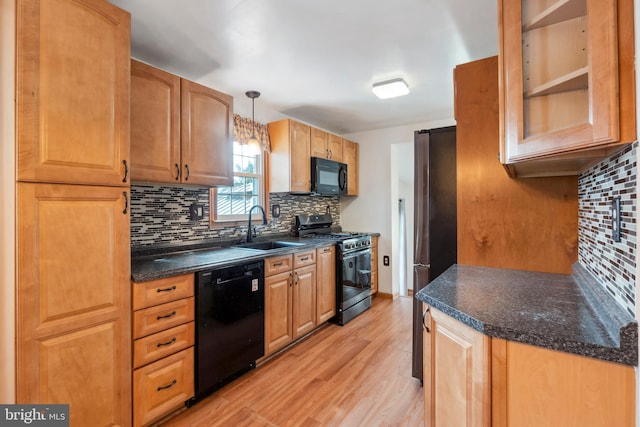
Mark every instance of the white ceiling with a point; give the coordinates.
(315, 61)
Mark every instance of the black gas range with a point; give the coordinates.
(353, 263)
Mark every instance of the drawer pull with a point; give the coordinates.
(164, 387)
(173, 288)
(424, 315)
(277, 264)
(167, 316)
(304, 259)
(326, 250)
(162, 344)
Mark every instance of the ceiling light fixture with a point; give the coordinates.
(390, 88)
(253, 145)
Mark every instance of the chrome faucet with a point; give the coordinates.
(264, 221)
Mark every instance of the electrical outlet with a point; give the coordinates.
(385, 260)
(275, 211)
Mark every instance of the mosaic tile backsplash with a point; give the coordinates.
(160, 216)
(613, 264)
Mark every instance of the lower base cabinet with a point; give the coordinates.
(163, 354)
(471, 379)
(290, 298)
(456, 374)
(162, 386)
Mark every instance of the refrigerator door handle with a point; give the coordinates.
(424, 316)
(422, 265)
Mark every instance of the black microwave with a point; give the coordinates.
(328, 178)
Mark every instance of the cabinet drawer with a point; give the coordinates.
(161, 291)
(304, 258)
(277, 264)
(161, 317)
(161, 344)
(162, 386)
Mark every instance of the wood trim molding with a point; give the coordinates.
(384, 295)
(8, 197)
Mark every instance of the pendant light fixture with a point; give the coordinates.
(253, 145)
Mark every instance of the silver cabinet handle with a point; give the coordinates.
(424, 315)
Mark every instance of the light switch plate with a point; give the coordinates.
(615, 219)
(196, 211)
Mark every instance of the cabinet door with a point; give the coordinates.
(304, 300)
(207, 133)
(74, 310)
(457, 377)
(350, 157)
(335, 148)
(300, 157)
(326, 283)
(559, 77)
(72, 86)
(278, 309)
(319, 143)
(155, 124)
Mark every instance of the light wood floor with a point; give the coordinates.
(353, 375)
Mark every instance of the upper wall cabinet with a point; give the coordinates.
(180, 130)
(72, 90)
(290, 158)
(292, 146)
(567, 83)
(350, 156)
(326, 145)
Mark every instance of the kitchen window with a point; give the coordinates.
(232, 204)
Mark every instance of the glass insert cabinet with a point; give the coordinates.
(564, 65)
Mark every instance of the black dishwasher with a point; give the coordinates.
(229, 324)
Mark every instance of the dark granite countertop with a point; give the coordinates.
(160, 263)
(570, 313)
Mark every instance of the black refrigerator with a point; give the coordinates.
(435, 218)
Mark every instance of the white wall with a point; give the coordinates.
(7, 196)
(402, 178)
(372, 210)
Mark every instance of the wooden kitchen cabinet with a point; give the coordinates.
(162, 386)
(374, 265)
(304, 293)
(326, 145)
(290, 157)
(292, 146)
(72, 92)
(73, 336)
(326, 283)
(278, 300)
(351, 158)
(181, 132)
(541, 387)
(457, 373)
(566, 84)
(163, 355)
(471, 379)
(73, 295)
(290, 298)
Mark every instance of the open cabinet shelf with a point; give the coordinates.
(575, 80)
(562, 10)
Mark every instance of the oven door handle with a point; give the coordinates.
(356, 253)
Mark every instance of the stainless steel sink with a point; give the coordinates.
(269, 246)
